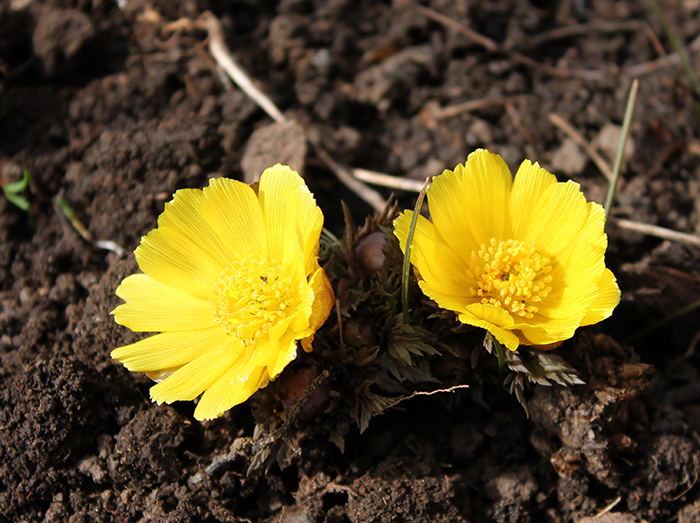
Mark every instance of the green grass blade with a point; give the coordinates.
(406, 273)
(689, 71)
(620, 156)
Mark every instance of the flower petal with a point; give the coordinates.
(183, 252)
(491, 314)
(575, 275)
(323, 302)
(289, 209)
(171, 258)
(168, 350)
(286, 353)
(607, 300)
(557, 219)
(443, 273)
(274, 183)
(549, 330)
(153, 307)
(505, 337)
(592, 233)
(530, 182)
(470, 205)
(301, 209)
(574, 288)
(229, 390)
(191, 380)
(232, 211)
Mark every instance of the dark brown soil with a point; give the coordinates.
(113, 115)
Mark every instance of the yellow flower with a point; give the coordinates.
(523, 259)
(231, 282)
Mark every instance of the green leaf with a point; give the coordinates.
(12, 192)
(19, 201)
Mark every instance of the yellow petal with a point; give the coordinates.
(171, 258)
(232, 211)
(533, 335)
(168, 350)
(575, 275)
(274, 183)
(491, 314)
(592, 233)
(550, 330)
(443, 273)
(280, 336)
(530, 182)
(183, 252)
(263, 352)
(567, 303)
(285, 355)
(470, 205)
(154, 307)
(184, 214)
(289, 210)
(229, 390)
(323, 301)
(607, 300)
(301, 210)
(504, 337)
(557, 219)
(191, 380)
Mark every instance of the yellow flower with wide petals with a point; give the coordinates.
(231, 282)
(523, 258)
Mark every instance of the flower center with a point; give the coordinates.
(250, 296)
(510, 275)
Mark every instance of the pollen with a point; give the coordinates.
(510, 275)
(250, 296)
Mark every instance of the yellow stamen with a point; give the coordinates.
(510, 275)
(250, 296)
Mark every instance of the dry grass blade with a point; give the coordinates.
(475, 105)
(605, 26)
(655, 230)
(221, 54)
(223, 57)
(386, 180)
(577, 137)
(344, 174)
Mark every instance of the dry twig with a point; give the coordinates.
(475, 105)
(368, 194)
(426, 393)
(386, 180)
(655, 230)
(209, 22)
(605, 26)
(577, 137)
(517, 122)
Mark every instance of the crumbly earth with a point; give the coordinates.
(113, 113)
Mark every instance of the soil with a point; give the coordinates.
(112, 114)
